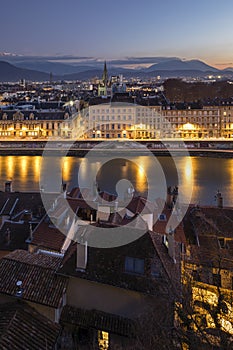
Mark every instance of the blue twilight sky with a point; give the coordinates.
(120, 28)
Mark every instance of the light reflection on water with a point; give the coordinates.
(204, 175)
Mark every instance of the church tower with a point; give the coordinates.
(104, 84)
(105, 74)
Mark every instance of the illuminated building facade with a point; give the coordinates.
(16, 124)
(192, 123)
(122, 120)
(114, 118)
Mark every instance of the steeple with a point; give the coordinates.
(105, 74)
(104, 85)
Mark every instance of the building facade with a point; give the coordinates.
(117, 117)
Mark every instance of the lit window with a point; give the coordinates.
(134, 265)
(103, 340)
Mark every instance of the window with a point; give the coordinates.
(134, 265)
(162, 217)
(103, 340)
(155, 270)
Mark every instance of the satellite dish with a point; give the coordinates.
(19, 290)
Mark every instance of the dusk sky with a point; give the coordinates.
(117, 29)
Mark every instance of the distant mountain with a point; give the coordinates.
(178, 64)
(55, 68)
(192, 73)
(166, 69)
(87, 74)
(142, 60)
(228, 69)
(91, 73)
(8, 72)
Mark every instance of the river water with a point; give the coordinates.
(199, 177)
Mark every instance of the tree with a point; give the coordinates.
(205, 316)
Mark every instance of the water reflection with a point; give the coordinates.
(10, 165)
(24, 171)
(23, 167)
(205, 175)
(186, 178)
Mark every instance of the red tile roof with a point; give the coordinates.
(98, 320)
(39, 284)
(36, 259)
(21, 327)
(160, 226)
(139, 204)
(48, 236)
(107, 265)
(13, 235)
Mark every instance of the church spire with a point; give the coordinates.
(105, 74)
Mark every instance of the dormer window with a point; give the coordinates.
(18, 116)
(134, 265)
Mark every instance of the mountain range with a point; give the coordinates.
(14, 68)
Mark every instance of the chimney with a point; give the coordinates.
(8, 186)
(27, 215)
(115, 206)
(171, 244)
(81, 261)
(219, 199)
(175, 194)
(63, 187)
(31, 232)
(169, 199)
(8, 236)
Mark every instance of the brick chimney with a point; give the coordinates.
(81, 261)
(171, 244)
(219, 199)
(8, 236)
(8, 186)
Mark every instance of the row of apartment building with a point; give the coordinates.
(105, 119)
(132, 121)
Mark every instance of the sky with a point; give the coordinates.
(120, 28)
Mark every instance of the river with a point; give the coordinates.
(201, 177)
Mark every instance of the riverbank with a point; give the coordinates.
(222, 149)
(73, 152)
